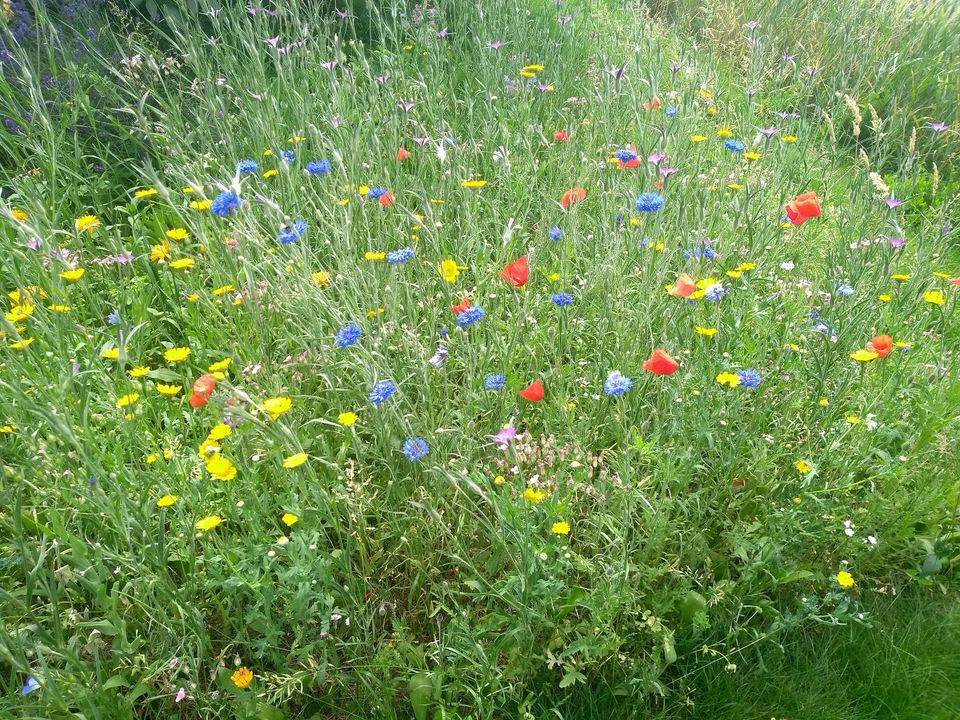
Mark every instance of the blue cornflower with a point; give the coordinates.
(562, 299)
(617, 383)
(555, 233)
(318, 167)
(225, 203)
(376, 191)
(350, 333)
(30, 685)
(395, 257)
(749, 378)
(698, 252)
(288, 156)
(494, 381)
(625, 155)
(247, 166)
(113, 318)
(472, 314)
(845, 290)
(824, 327)
(714, 291)
(381, 390)
(415, 448)
(672, 110)
(649, 202)
(734, 145)
(291, 233)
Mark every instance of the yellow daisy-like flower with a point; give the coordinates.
(222, 290)
(166, 501)
(295, 461)
(560, 528)
(752, 155)
(854, 419)
(270, 173)
(21, 344)
(698, 138)
(320, 278)
(73, 275)
(885, 297)
(139, 371)
(183, 263)
(473, 183)
(193, 297)
(146, 192)
(127, 400)
(201, 204)
(19, 313)
(8, 428)
(220, 365)
(788, 138)
(87, 222)
(934, 297)
(901, 276)
(289, 519)
(864, 355)
(296, 139)
(745, 266)
(712, 110)
(823, 402)
(177, 233)
(220, 431)
(111, 353)
(534, 495)
(803, 466)
(221, 467)
(708, 331)
(728, 378)
(277, 406)
(536, 67)
(374, 255)
(845, 579)
(176, 354)
(168, 390)
(19, 214)
(208, 523)
(347, 418)
(59, 308)
(449, 270)
(160, 252)
(242, 676)
(724, 133)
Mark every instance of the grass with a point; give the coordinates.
(207, 510)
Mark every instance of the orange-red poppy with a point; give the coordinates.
(202, 390)
(805, 206)
(573, 195)
(517, 272)
(684, 287)
(881, 345)
(386, 199)
(661, 363)
(561, 135)
(955, 281)
(655, 104)
(403, 154)
(461, 306)
(533, 392)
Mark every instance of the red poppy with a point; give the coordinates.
(386, 199)
(661, 363)
(517, 272)
(955, 281)
(684, 287)
(533, 392)
(573, 195)
(805, 206)
(461, 306)
(632, 162)
(881, 345)
(561, 135)
(655, 104)
(403, 154)
(202, 390)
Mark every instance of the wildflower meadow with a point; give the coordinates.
(510, 359)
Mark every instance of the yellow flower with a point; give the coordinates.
(220, 467)
(208, 523)
(139, 371)
(8, 428)
(724, 133)
(242, 676)
(449, 269)
(296, 138)
(347, 418)
(885, 297)
(19, 214)
(168, 390)
(708, 331)
(712, 110)
(128, 399)
(320, 278)
(751, 155)
(222, 290)
(193, 297)
(21, 344)
(183, 263)
(146, 192)
(19, 313)
(277, 406)
(901, 276)
(374, 255)
(744, 266)
(177, 233)
(220, 365)
(166, 501)
(864, 355)
(698, 138)
(934, 297)
(560, 528)
(87, 222)
(499, 480)
(788, 138)
(854, 419)
(803, 466)
(845, 579)
(473, 183)
(167, 453)
(532, 68)
(219, 432)
(734, 274)
(534, 495)
(270, 173)
(823, 402)
(295, 460)
(201, 204)
(176, 354)
(289, 519)
(72, 275)
(111, 353)
(59, 308)
(728, 378)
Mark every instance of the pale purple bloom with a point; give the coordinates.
(504, 436)
(273, 42)
(811, 71)
(674, 67)
(937, 126)
(382, 78)
(33, 243)
(442, 33)
(752, 25)
(329, 64)
(182, 693)
(656, 156)
(768, 132)
(421, 141)
(896, 242)
(667, 171)
(566, 19)
(892, 202)
(542, 87)
(343, 13)
(495, 44)
(336, 121)
(405, 106)
(616, 71)
(787, 58)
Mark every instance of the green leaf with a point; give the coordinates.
(572, 676)
(794, 575)
(421, 693)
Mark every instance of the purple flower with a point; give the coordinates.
(616, 71)
(504, 436)
(897, 242)
(937, 126)
(442, 33)
(329, 64)
(656, 156)
(566, 19)
(405, 106)
(495, 44)
(892, 202)
(768, 132)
